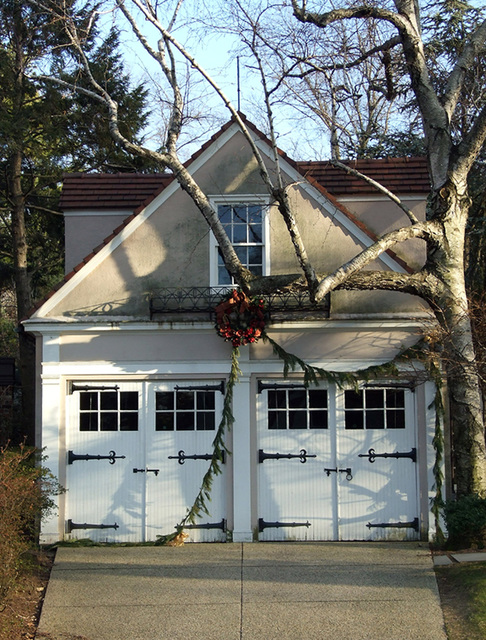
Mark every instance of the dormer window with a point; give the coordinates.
(244, 220)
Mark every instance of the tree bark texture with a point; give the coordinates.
(451, 308)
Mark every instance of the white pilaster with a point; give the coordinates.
(51, 432)
(242, 468)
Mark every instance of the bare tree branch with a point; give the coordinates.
(423, 230)
(410, 214)
(337, 15)
(280, 192)
(345, 66)
(456, 78)
(472, 143)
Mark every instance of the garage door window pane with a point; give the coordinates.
(276, 399)
(108, 421)
(277, 420)
(298, 399)
(109, 400)
(375, 409)
(164, 401)
(112, 410)
(375, 420)
(185, 421)
(88, 401)
(395, 419)
(164, 421)
(318, 419)
(184, 400)
(205, 400)
(354, 420)
(205, 421)
(129, 421)
(129, 400)
(88, 422)
(374, 398)
(317, 398)
(395, 398)
(353, 399)
(185, 410)
(297, 409)
(297, 420)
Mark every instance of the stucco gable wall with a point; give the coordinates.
(171, 247)
(85, 230)
(167, 249)
(381, 215)
(327, 241)
(329, 244)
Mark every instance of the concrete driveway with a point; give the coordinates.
(264, 591)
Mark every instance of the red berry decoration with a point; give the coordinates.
(239, 319)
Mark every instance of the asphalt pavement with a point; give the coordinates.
(264, 591)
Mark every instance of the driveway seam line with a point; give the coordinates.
(241, 592)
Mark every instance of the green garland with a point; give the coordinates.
(437, 502)
(312, 375)
(200, 505)
(418, 352)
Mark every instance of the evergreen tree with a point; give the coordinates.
(45, 131)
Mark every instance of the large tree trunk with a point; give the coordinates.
(24, 297)
(447, 262)
(466, 410)
(19, 234)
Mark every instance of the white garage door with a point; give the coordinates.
(336, 464)
(137, 453)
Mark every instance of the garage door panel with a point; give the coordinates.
(180, 432)
(349, 490)
(147, 492)
(383, 489)
(104, 492)
(292, 490)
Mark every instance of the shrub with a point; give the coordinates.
(465, 519)
(26, 491)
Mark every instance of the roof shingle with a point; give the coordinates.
(128, 191)
(95, 191)
(399, 175)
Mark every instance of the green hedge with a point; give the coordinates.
(465, 520)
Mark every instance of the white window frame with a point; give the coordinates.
(243, 199)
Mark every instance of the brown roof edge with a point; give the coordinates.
(403, 176)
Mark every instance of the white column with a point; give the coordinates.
(242, 451)
(51, 526)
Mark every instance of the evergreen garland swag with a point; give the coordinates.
(242, 321)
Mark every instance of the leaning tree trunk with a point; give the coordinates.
(446, 260)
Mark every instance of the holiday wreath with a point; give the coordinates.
(239, 319)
